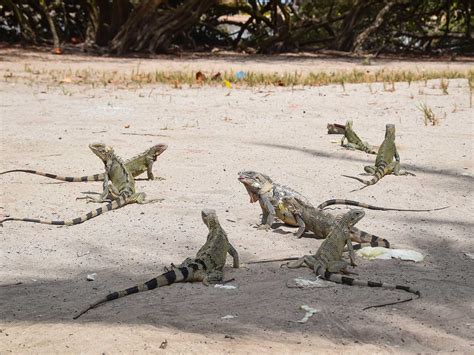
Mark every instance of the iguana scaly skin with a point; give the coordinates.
(262, 189)
(371, 207)
(136, 165)
(328, 259)
(206, 267)
(321, 224)
(353, 140)
(269, 194)
(384, 164)
(120, 192)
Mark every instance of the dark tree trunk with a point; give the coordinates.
(154, 23)
(345, 38)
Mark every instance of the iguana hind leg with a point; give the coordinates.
(371, 169)
(337, 266)
(307, 260)
(235, 256)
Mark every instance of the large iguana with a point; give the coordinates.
(269, 194)
(120, 191)
(206, 267)
(262, 189)
(136, 165)
(384, 164)
(353, 140)
(328, 259)
(321, 223)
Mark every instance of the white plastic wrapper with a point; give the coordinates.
(226, 287)
(309, 313)
(318, 282)
(386, 253)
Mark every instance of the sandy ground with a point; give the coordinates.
(212, 134)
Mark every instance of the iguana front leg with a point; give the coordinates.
(351, 251)
(302, 226)
(149, 170)
(268, 213)
(397, 170)
(235, 256)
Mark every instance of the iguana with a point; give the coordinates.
(262, 189)
(335, 128)
(328, 259)
(136, 165)
(269, 194)
(321, 224)
(120, 192)
(371, 207)
(206, 267)
(353, 140)
(384, 164)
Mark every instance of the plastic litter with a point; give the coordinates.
(240, 75)
(229, 316)
(227, 287)
(309, 313)
(301, 282)
(385, 254)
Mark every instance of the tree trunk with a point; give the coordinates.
(153, 25)
(52, 26)
(379, 19)
(345, 37)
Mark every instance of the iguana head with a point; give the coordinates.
(102, 151)
(390, 131)
(255, 183)
(352, 217)
(209, 217)
(349, 125)
(156, 150)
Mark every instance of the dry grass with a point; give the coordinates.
(443, 84)
(429, 116)
(178, 78)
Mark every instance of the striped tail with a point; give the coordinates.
(95, 177)
(379, 173)
(367, 239)
(122, 201)
(371, 207)
(345, 280)
(181, 274)
(369, 150)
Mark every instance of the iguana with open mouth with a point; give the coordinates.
(268, 193)
(270, 196)
(207, 267)
(384, 164)
(353, 140)
(136, 165)
(120, 191)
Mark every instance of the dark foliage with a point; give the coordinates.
(265, 26)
